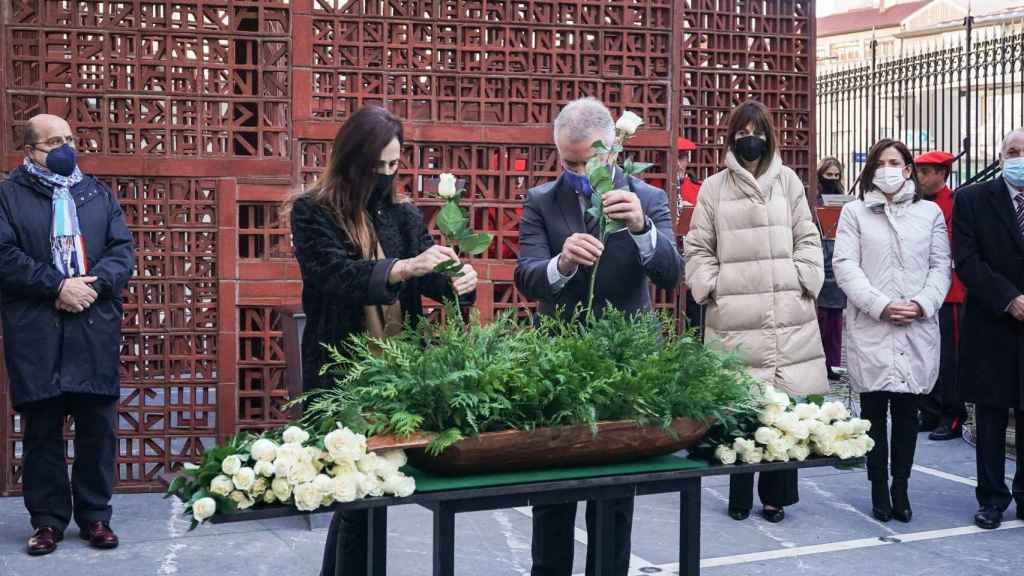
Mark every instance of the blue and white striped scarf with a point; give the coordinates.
(66, 242)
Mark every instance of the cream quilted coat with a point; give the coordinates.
(753, 256)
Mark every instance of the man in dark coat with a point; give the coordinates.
(558, 248)
(988, 247)
(65, 257)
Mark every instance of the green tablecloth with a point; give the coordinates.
(427, 482)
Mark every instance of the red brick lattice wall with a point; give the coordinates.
(204, 115)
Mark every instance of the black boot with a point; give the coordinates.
(901, 501)
(881, 507)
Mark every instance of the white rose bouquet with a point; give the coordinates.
(788, 431)
(288, 467)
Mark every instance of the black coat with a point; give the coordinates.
(553, 213)
(49, 351)
(988, 250)
(337, 283)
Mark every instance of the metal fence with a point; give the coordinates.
(960, 96)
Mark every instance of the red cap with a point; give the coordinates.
(682, 144)
(936, 157)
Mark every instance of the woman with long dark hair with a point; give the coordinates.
(366, 260)
(753, 256)
(892, 261)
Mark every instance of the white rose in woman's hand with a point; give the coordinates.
(446, 186)
(628, 123)
(204, 508)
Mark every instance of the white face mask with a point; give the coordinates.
(889, 179)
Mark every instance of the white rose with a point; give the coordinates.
(259, 487)
(263, 450)
(281, 488)
(204, 508)
(345, 487)
(779, 447)
(826, 447)
(295, 435)
(241, 499)
(313, 454)
(399, 485)
(397, 458)
(799, 452)
(770, 414)
(628, 123)
(269, 497)
(191, 466)
(291, 451)
(302, 473)
(800, 431)
(324, 483)
(725, 454)
(231, 465)
(446, 186)
(831, 411)
(765, 435)
(342, 467)
(221, 485)
(861, 426)
(844, 428)
(264, 469)
(308, 497)
(369, 485)
(369, 464)
(244, 478)
(775, 397)
(741, 445)
(787, 422)
(283, 467)
(806, 411)
(754, 456)
(867, 444)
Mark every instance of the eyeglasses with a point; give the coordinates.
(58, 141)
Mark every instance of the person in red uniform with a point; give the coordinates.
(943, 411)
(688, 188)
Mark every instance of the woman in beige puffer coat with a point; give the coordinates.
(753, 257)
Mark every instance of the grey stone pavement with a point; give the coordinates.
(829, 533)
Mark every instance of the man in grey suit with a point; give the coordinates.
(558, 247)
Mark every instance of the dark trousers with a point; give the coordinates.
(875, 407)
(943, 404)
(694, 315)
(776, 489)
(345, 550)
(553, 528)
(830, 324)
(991, 457)
(50, 499)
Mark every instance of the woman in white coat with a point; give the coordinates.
(753, 257)
(892, 261)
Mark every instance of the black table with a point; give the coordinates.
(446, 504)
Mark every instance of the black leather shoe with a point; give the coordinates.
(881, 507)
(947, 431)
(737, 514)
(988, 518)
(901, 501)
(926, 423)
(774, 516)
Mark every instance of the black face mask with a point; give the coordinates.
(750, 148)
(829, 186)
(382, 186)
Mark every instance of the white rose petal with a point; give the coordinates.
(241, 499)
(628, 123)
(446, 186)
(281, 488)
(308, 497)
(221, 485)
(264, 469)
(263, 450)
(295, 435)
(725, 454)
(231, 465)
(244, 478)
(204, 508)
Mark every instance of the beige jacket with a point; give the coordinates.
(753, 256)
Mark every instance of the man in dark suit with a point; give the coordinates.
(988, 246)
(558, 247)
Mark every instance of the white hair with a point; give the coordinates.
(1008, 138)
(585, 119)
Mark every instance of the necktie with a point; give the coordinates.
(1019, 198)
